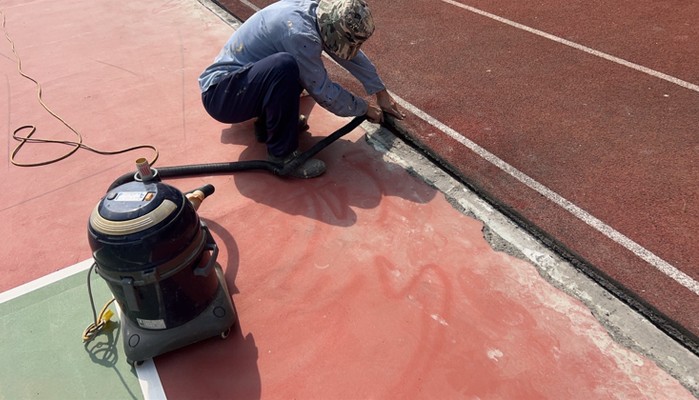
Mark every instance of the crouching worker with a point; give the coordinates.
(265, 65)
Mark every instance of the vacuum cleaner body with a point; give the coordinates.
(159, 261)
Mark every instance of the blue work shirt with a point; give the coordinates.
(290, 26)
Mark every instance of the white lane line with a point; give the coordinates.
(45, 281)
(147, 373)
(609, 57)
(641, 252)
(148, 378)
(250, 5)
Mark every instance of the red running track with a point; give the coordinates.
(602, 114)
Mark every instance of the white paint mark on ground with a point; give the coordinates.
(439, 319)
(495, 354)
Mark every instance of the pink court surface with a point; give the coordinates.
(363, 283)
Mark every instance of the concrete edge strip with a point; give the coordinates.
(223, 15)
(616, 236)
(148, 377)
(597, 53)
(626, 326)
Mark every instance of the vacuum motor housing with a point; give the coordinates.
(155, 254)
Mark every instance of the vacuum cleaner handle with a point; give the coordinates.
(210, 246)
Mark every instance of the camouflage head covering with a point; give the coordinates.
(344, 25)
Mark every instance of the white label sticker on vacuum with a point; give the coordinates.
(130, 196)
(151, 323)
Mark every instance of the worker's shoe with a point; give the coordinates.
(310, 169)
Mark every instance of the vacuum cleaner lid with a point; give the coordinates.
(134, 207)
(138, 226)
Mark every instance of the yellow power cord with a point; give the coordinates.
(101, 320)
(76, 144)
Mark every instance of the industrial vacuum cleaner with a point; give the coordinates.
(159, 259)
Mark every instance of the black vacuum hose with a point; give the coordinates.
(236, 166)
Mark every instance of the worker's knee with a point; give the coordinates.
(286, 63)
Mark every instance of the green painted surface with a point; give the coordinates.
(42, 353)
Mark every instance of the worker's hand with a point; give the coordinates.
(387, 104)
(374, 114)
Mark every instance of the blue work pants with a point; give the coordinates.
(268, 89)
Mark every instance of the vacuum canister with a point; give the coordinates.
(154, 253)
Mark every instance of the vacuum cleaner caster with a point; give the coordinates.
(134, 363)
